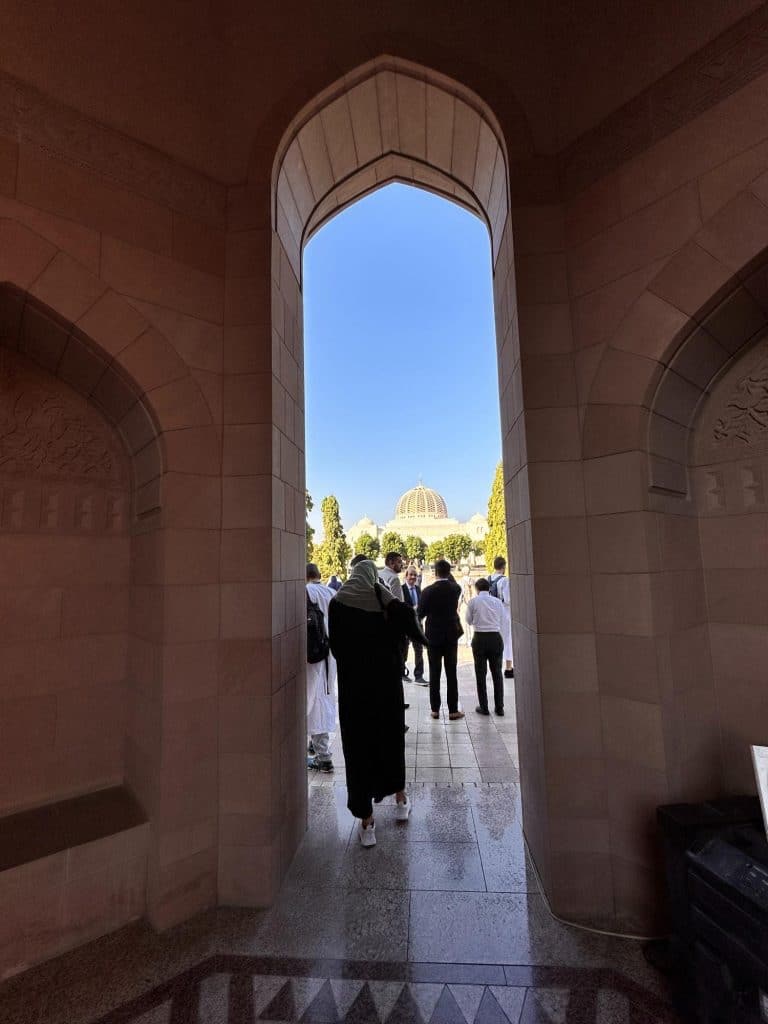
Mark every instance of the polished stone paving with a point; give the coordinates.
(441, 922)
(472, 749)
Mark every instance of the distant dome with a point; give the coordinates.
(421, 503)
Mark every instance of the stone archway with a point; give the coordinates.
(388, 120)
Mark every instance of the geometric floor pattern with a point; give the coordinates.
(243, 990)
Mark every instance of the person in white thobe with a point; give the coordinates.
(321, 683)
(467, 594)
(501, 582)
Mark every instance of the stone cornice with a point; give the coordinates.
(29, 116)
(716, 71)
(707, 77)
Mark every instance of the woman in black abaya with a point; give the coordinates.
(367, 626)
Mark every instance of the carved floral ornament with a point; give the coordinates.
(743, 420)
(48, 432)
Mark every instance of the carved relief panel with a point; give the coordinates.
(734, 423)
(61, 468)
(730, 453)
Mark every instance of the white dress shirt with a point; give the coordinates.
(485, 613)
(391, 581)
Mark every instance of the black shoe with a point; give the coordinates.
(319, 766)
(509, 673)
(311, 749)
(406, 706)
(406, 728)
(482, 711)
(499, 712)
(421, 681)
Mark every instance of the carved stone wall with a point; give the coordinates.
(730, 481)
(64, 598)
(718, 70)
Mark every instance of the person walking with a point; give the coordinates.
(411, 596)
(321, 673)
(499, 587)
(439, 606)
(367, 628)
(485, 614)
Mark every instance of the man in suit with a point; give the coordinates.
(411, 596)
(439, 605)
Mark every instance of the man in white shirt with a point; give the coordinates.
(389, 577)
(390, 574)
(500, 588)
(485, 614)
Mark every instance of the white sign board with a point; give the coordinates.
(760, 761)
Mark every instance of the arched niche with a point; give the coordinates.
(65, 549)
(708, 348)
(729, 489)
(703, 307)
(42, 336)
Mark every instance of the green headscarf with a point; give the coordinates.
(359, 592)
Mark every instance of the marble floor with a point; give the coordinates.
(440, 923)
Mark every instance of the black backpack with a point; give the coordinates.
(317, 640)
(493, 588)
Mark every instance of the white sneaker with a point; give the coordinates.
(367, 835)
(403, 811)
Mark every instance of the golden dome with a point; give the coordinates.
(421, 503)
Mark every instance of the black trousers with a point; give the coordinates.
(488, 650)
(439, 655)
(418, 657)
(403, 645)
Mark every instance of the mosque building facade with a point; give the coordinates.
(421, 512)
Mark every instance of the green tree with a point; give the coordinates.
(415, 549)
(457, 546)
(367, 545)
(333, 554)
(392, 541)
(496, 538)
(309, 504)
(435, 550)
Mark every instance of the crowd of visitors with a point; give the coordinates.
(358, 635)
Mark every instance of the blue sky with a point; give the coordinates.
(400, 356)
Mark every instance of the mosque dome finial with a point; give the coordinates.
(421, 503)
